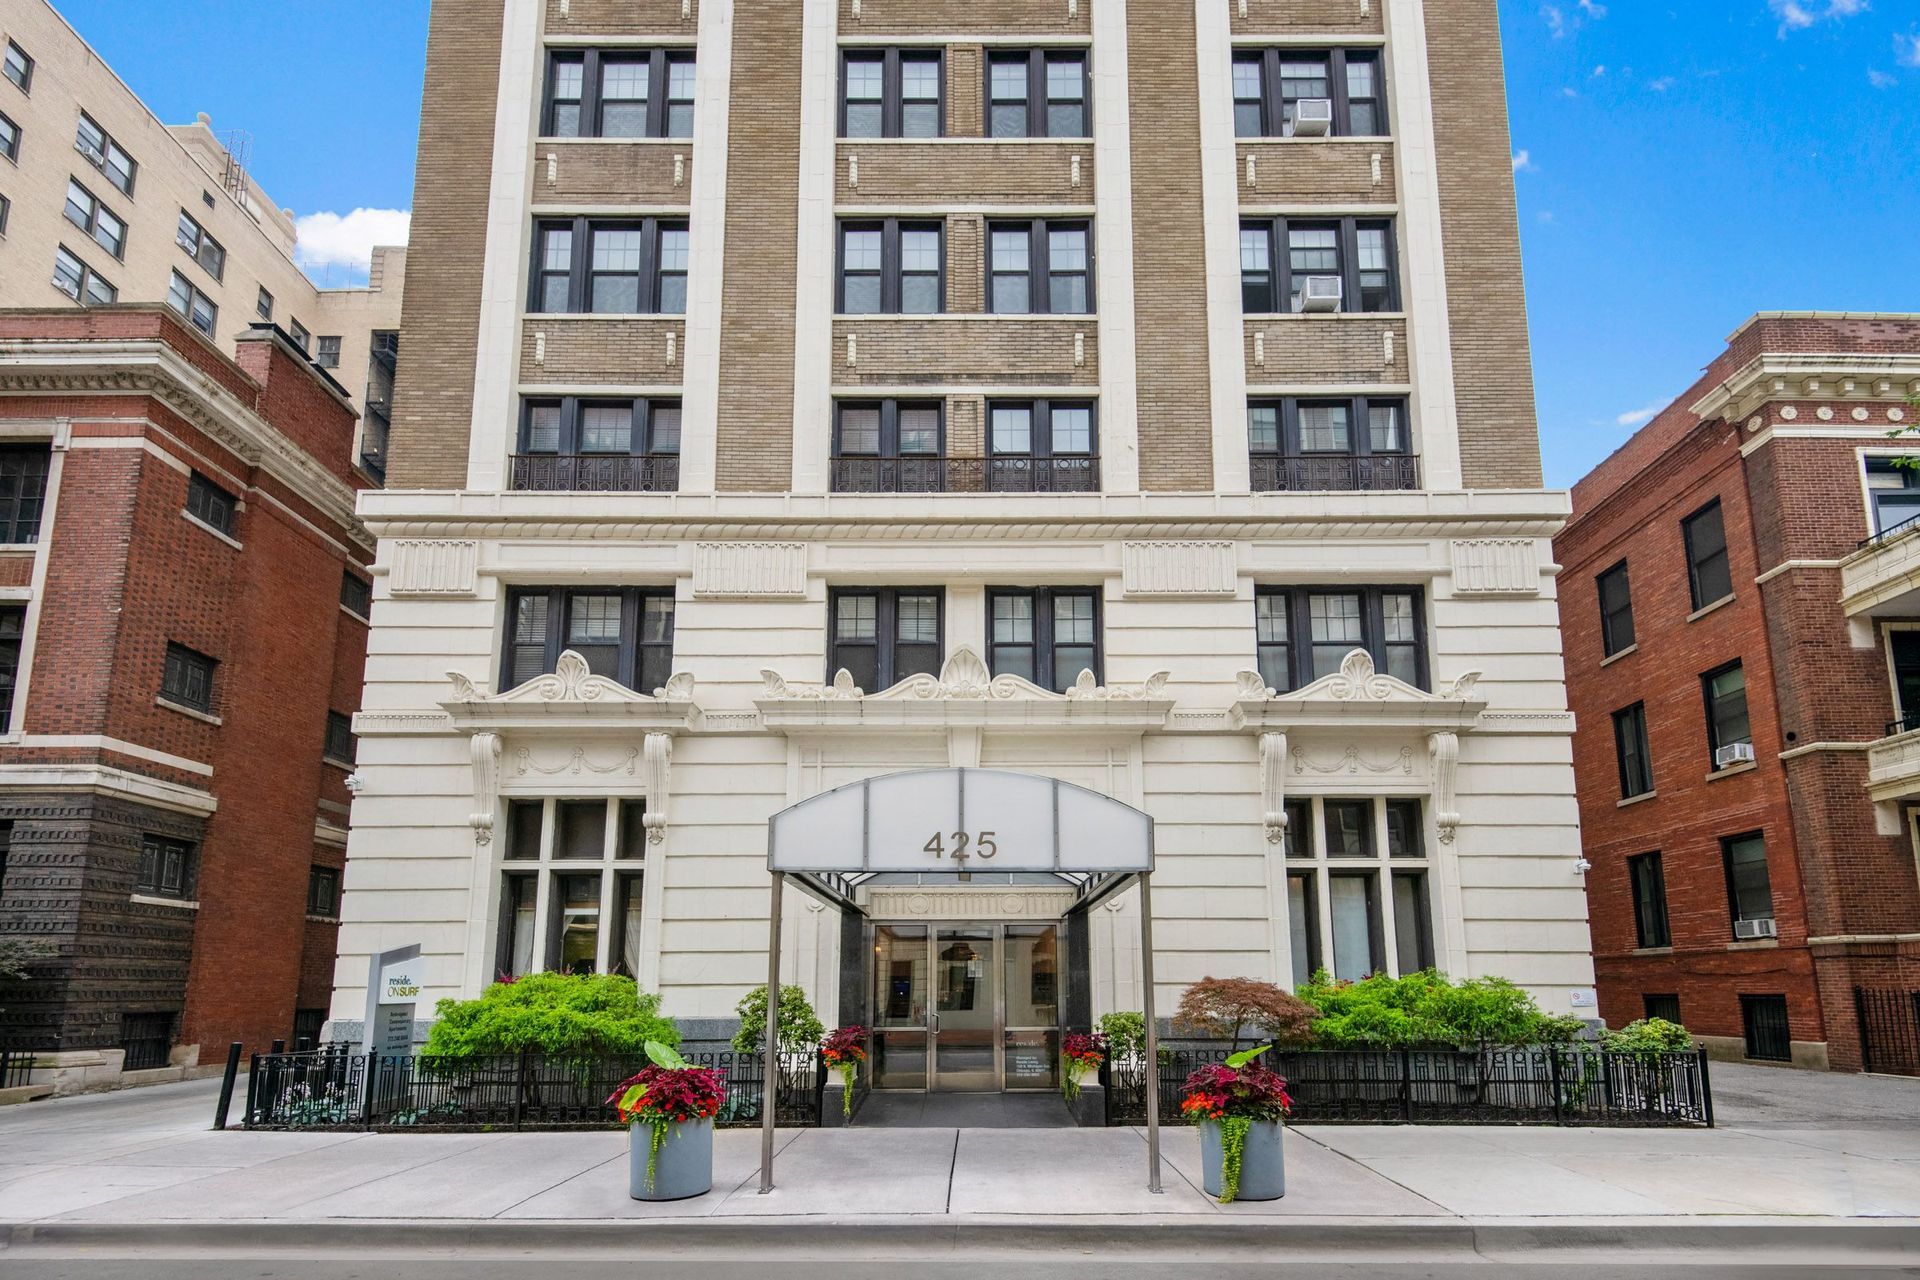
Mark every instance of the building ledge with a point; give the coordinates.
(1714, 607)
(1612, 658)
(1358, 697)
(572, 698)
(1882, 579)
(1893, 767)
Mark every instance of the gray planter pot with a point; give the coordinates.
(683, 1169)
(1263, 1170)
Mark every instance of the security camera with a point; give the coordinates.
(1581, 866)
(353, 783)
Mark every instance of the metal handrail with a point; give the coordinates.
(1320, 473)
(1890, 534)
(596, 472)
(1000, 473)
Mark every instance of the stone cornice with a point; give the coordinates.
(1787, 375)
(571, 699)
(1358, 697)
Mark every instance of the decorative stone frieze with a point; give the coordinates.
(434, 567)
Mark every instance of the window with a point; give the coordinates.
(196, 306)
(568, 861)
(9, 138)
(892, 268)
(211, 505)
(1048, 635)
(93, 142)
(889, 446)
(6, 208)
(106, 227)
(1708, 573)
(200, 246)
(79, 281)
(636, 267)
(166, 868)
(625, 634)
(356, 594)
(1769, 1036)
(263, 305)
(1616, 610)
(1726, 693)
(1894, 491)
(1316, 445)
(187, 678)
(1749, 889)
(627, 445)
(327, 353)
(1040, 268)
(1648, 878)
(18, 67)
(23, 491)
(892, 93)
(340, 744)
(1630, 748)
(1037, 93)
(1279, 255)
(884, 636)
(624, 93)
(1042, 446)
(297, 332)
(13, 625)
(323, 892)
(1269, 85)
(1305, 634)
(1357, 869)
(1665, 1007)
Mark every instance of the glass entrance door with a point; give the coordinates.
(966, 1020)
(900, 1007)
(966, 1007)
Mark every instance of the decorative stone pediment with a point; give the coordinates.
(1357, 696)
(572, 697)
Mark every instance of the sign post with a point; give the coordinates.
(394, 983)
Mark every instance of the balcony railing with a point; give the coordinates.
(966, 475)
(1890, 533)
(596, 472)
(1905, 724)
(1337, 473)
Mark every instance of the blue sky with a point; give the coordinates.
(1680, 165)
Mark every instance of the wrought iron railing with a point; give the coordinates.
(1000, 474)
(596, 472)
(1891, 533)
(1546, 1085)
(16, 1068)
(1905, 724)
(1340, 473)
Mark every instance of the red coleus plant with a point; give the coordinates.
(1239, 1088)
(671, 1091)
(1080, 1055)
(844, 1050)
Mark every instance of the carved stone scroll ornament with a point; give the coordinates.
(659, 760)
(572, 681)
(486, 785)
(1358, 681)
(1273, 785)
(1444, 750)
(965, 677)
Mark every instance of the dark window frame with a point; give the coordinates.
(1658, 1004)
(25, 81)
(1754, 1007)
(24, 469)
(340, 745)
(886, 631)
(1038, 103)
(1647, 887)
(1696, 562)
(1272, 106)
(892, 89)
(195, 294)
(1727, 844)
(1611, 640)
(12, 134)
(1043, 638)
(889, 409)
(1359, 426)
(263, 304)
(1040, 427)
(1636, 717)
(1279, 274)
(891, 274)
(84, 289)
(90, 219)
(324, 905)
(1299, 642)
(1714, 727)
(640, 441)
(211, 505)
(167, 868)
(591, 103)
(200, 245)
(327, 356)
(1039, 272)
(632, 650)
(183, 668)
(356, 594)
(579, 274)
(13, 631)
(108, 149)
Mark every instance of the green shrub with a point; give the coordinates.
(1126, 1034)
(553, 1013)
(1649, 1035)
(1426, 1008)
(799, 1024)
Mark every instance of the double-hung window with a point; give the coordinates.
(323, 892)
(625, 634)
(1037, 93)
(570, 443)
(73, 277)
(300, 335)
(1042, 446)
(883, 635)
(263, 305)
(1894, 491)
(211, 505)
(200, 246)
(97, 145)
(1299, 444)
(166, 868)
(18, 67)
(892, 93)
(1040, 267)
(1725, 690)
(84, 211)
(1709, 576)
(1616, 610)
(889, 446)
(1280, 256)
(1749, 888)
(340, 744)
(1270, 84)
(566, 864)
(1649, 882)
(1048, 635)
(195, 306)
(1630, 751)
(1304, 633)
(1357, 868)
(636, 267)
(327, 352)
(13, 626)
(618, 93)
(9, 138)
(892, 267)
(23, 491)
(186, 678)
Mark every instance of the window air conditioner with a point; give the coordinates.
(1319, 293)
(1313, 117)
(1747, 930)
(1733, 753)
(91, 152)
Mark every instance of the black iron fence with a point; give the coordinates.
(1889, 1030)
(999, 474)
(1317, 473)
(333, 1088)
(16, 1068)
(596, 472)
(1549, 1085)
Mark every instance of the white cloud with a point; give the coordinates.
(1798, 15)
(1592, 10)
(1561, 23)
(1523, 161)
(1906, 49)
(1661, 85)
(1880, 79)
(1640, 417)
(337, 240)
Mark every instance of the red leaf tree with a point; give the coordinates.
(1225, 1008)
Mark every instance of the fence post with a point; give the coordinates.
(519, 1090)
(1406, 1086)
(367, 1101)
(253, 1085)
(1553, 1060)
(226, 1085)
(1706, 1089)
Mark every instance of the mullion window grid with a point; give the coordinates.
(197, 244)
(101, 224)
(356, 594)
(1040, 273)
(1273, 283)
(887, 666)
(167, 868)
(651, 277)
(19, 67)
(888, 444)
(9, 138)
(13, 626)
(323, 892)
(648, 415)
(1727, 723)
(1271, 98)
(1756, 880)
(211, 505)
(1387, 868)
(893, 100)
(639, 661)
(891, 272)
(1295, 653)
(1037, 105)
(340, 744)
(106, 155)
(74, 277)
(1041, 443)
(187, 677)
(669, 110)
(1043, 640)
(1631, 752)
(1709, 569)
(1290, 443)
(1647, 884)
(535, 878)
(23, 491)
(1616, 610)
(193, 304)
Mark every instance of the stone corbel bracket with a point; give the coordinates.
(1443, 750)
(1273, 785)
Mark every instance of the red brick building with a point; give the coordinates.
(183, 601)
(1740, 598)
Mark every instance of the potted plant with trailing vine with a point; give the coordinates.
(1239, 1107)
(675, 1102)
(844, 1050)
(1080, 1056)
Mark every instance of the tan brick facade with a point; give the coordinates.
(989, 352)
(654, 174)
(620, 17)
(625, 351)
(914, 173)
(1343, 351)
(1319, 17)
(1341, 173)
(945, 17)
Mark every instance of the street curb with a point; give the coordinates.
(1776, 1241)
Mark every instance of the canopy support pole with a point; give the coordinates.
(1152, 1064)
(770, 1074)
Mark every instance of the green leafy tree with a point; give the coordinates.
(1126, 1034)
(800, 1027)
(559, 1014)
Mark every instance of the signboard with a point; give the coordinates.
(961, 820)
(394, 984)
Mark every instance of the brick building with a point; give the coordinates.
(1133, 394)
(1739, 606)
(182, 640)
